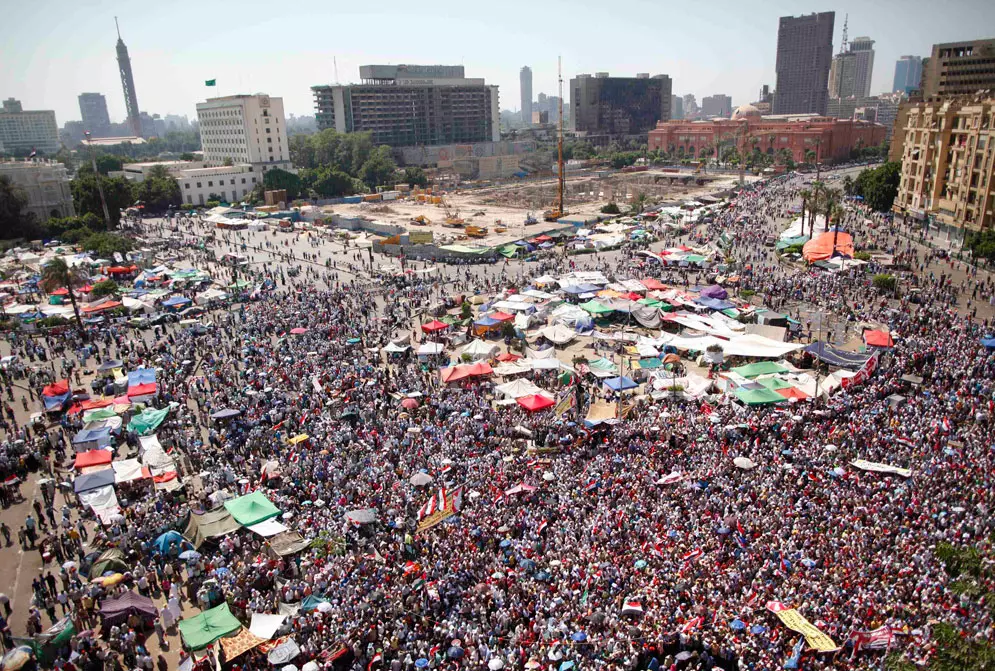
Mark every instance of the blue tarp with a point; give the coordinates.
(175, 301)
(55, 402)
(101, 437)
(311, 602)
(486, 321)
(617, 383)
(835, 356)
(95, 480)
(988, 342)
(141, 376)
(581, 288)
(714, 303)
(162, 542)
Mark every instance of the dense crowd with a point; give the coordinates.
(539, 579)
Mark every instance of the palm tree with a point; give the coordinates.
(806, 197)
(815, 203)
(58, 275)
(830, 203)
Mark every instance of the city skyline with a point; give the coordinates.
(170, 66)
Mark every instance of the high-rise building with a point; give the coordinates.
(525, 82)
(619, 105)
(128, 84)
(46, 184)
(885, 108)
(948, 166)
(690, 106)
(908, 74)
(850, 74)
(676, 107)
(244, 129)
(804, 57)
(716, 105)
(959, 68)
(412, 105)
(93, 109)
(27, 130)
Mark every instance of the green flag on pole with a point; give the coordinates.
(211, 82)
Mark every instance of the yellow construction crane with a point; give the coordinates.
(453, 219)
(553, 215)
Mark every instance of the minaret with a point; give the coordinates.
(128, 83)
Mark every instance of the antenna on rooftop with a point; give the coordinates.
(335, 62)
(118, 28)
(846, 19)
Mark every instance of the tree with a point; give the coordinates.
(105, 288)
(379, 168)
(849, 187)
(884, 283)
(107, 162)
(879, 186)
(106, 244)
(806, 197)
(830, 202)
(158, 191)
(415, 176)
(186, 156)
(610, 208)
(56, 274)
(15, 221)
(86, 197)
(276, 180)
(639, 203)
(330, 182)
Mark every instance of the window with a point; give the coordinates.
(243, 180)
(233, 182)
(186, 185)
(198, 185)
(210, 183)
(253, 180)
(267, 130)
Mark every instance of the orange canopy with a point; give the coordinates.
(820, 248)
(93, 458)
(878, 339)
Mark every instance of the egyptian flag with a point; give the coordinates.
(33, 153)
(542, 526)
(691, 556)
(427, 509)
(457, 498)
(692, 624)
(632, 607)
(377, 660)
(411, 567)
(591, 485)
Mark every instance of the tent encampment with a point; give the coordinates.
(201, 630)
(821, 248)
(251, 509)
(118, 610)
(213, 524)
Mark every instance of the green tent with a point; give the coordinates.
(759, 396)
(201, 630)
(694, 258)
(595, 308)
(98, 414)
(652, 302)
(649, 364)
(508, 251)
(791, 242)
(251, 509)
(147, 421)
(774, 383)
(759, 368)
(603, 364)
(109, 561)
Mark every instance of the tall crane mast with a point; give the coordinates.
(559, 75)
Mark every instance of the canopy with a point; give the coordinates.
(213, 524)
(147, 421)
(225, 413)
(714, 291)
(558, 334)
(115, 611)
(287, 543)
(434, 325)
(878, 339)
(251, 509)
(535, 402)
(175, 301)
(835, 356)
(109, 561)
(820, 248)
(201, 630)
(596, 308)
(56, 388)
(758, 396)
(141, 376)
(478, 349)
(518, 388)
(93, 458)
(759, 368)
(620, 383)
(94, 480)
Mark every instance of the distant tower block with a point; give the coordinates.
(128, 84)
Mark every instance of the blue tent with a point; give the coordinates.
(175, 301)
(55, 402)
(92, 439)
(581, 288)
(988, 342)
(311, 602)
(714, 303)
(835, 356)
(141, 376)
(620, 383)
(486, 321)
(95, 480)
(162, 543)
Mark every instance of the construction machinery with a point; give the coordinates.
(421, 220)
(453, 219)
(475, 231)
(558, 211)
(530, 219)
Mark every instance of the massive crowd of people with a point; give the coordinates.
(544, 578)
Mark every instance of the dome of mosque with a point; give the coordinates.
(746, 111)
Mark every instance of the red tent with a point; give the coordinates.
(89, 404)
(821, 247)
(479, 368)
(142, 389)
(878, 339)
(508, 356)
(434, 325)
(92, 458)
(792, 392)
(652, 284)
(56, 388)
(454, 373)
(535, 402)
(109, 305)
(61, 291)
(501, 316)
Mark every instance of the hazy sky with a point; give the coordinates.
(52, 50)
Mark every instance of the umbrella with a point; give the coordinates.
(737, 625)
(532, 664)
(496, 664)
(69, 565)
(758, 629)
(455, 653)
(744, 463)
(555, 655)
(421, 479)
(566, 666)
(640, 563)
(324, 607)
(110, 365)
(548, 476)
(288, 667)
(17, 658)
(298, 331)
(578, 636)
(409, 403)
(190, 554)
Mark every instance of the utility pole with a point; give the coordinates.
(100, 187)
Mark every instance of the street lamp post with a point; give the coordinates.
(100, 187)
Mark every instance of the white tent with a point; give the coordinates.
(513, 368)
(478, 349)
(558, 334)
(394, 348)
(430, 348)
(519, 388)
